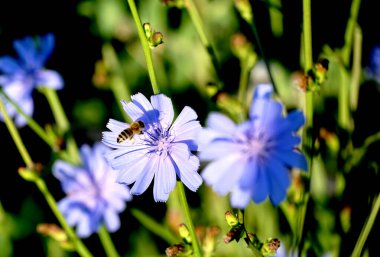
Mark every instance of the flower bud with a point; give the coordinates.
(31, 174)
(244, 7)
(148, 30)
(175, 250)
(231, 219)
(184, 233)
(270, 247)
(234, 234)
(156, 39)
(209, 241)
(56, 233)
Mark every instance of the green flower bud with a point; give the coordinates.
(30, 174)
(231, 219)
(156, 39)
(184, 233)
(148, 30)
(270, 247)
(56, 233)
(244, 7)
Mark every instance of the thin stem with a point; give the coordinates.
(31, 123)
(79, 246)
(199, 27)
(16, 136)
(344, 99)
(107, 243)
(189, 222)
(349, 34)
(155, 227)
(309, 109)
(243, 85)
(356, 67)
(258, 41)
(145, 45)
(57, 109)
(81, 249)
(62, 122)
(366, 229)
(308, 55)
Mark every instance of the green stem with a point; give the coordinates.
(154, 226)
(199, 27)
(189, 222)
(356, 68)
(266, 62)
(16, 136)
(344, 99)
(275, 16)
(145, 45)
(57, 109)
(366, 229)
(81, 249)
(349, 34)
(62, 122)
(79, 246)
(309, 109)
(308, 55)
(107, 243)
(31, 123)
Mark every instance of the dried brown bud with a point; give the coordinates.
(174, 250)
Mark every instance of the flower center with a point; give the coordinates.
(164, 145)
(256, 147)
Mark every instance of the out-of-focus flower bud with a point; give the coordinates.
(147, 29)
(156, 39)
(100, 77)
(231, 219)
(56, 233)
(321, 68)
(175, 250)
(209, 240)
(243, 49)
(270, 247)
(184, 233)
(234, 234)
(245, 10)
(31, 174)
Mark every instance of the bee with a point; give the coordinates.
(135, 128)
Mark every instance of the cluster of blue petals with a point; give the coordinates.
(19, 76)
(163, 152)
(92, 197)
(252, 160)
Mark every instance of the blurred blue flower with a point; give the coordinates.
(252, 160)
(93, 196)
(20, 76)
(162, 151)
(373, 69)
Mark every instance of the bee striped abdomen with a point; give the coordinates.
(135, 128)
(124, 135)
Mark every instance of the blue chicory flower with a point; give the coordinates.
(373, 69)
(163, 150)
(20, 76)
(252, 160)
(93, 197)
